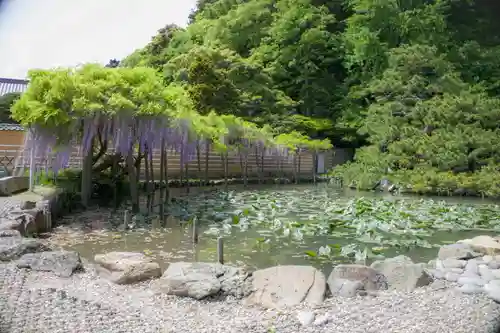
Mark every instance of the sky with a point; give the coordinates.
(64, 33)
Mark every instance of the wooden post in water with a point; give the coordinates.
(220, 250)
(127, 217)
(195, 231)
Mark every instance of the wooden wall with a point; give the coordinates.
(215, 166)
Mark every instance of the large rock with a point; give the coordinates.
(14, 247)
(456, 251)
(62, 263)
(402, 274)
(483, 244)
(11, 224)
(282, 286)
(126, 267)
(369, 277)
(199, 280)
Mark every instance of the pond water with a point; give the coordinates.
(264, 226)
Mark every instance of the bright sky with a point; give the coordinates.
(52, 33)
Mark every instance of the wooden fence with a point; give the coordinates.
(13, 156)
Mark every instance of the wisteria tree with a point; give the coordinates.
(119, 117)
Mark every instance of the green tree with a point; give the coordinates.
(6, 102)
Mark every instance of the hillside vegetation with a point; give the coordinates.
(412, 84)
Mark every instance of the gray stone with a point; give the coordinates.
(27, 205)
(472, 266)
(305, 318)
(483, 244)
(471, 280)
(369, 277)
(10, 233)
(454, 263)
(436, 273)
(431, 264)
(126, 267)
(496, 274)
(439, 265)
(456, 251)
(487, 258)
(10, 224)
(494, 264)
(493, 291)
(322, 320)
(470, 289)
(62, 263)
(452, 277)
(455, 270)
(14, 247)
(199, 280)
(344, 287)
(287, 285)
(485, 273)
(402, 274)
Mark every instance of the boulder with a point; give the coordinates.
(402, 274)
(126, 267)
(10, 233)
(62, 263)
(199, 280)
(483, 244)
(12, 248)
(11, 224)
(344, 287)
(492, 290)
(282, 286)
(456, 251)
(369, 277)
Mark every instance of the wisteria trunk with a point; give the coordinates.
(87, 175)
(295, 178)
(298, 166)
(207, 156)
(187, 176)
(315, 159)
(257, 164)
(198, 163)
(133, 183)
(162, 178)
(245, 174)
(147, 175)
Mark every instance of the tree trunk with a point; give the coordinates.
(132, 177)
(298, 167)
(162, 177)
(207, 156)
(181, 166)
(87, 176)
(148, 179)
(245, 174)
(314, 166)
(152, 186)
(295, 178)
(198, 163)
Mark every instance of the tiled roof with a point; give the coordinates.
(12, 85)
(11, 127)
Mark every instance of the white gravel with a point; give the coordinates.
(41, 302)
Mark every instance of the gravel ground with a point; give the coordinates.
(41, 302)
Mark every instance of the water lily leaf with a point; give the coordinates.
(311, 253)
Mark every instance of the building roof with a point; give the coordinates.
(12, 86)
(10, 127)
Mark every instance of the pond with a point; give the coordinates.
(264, 226)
